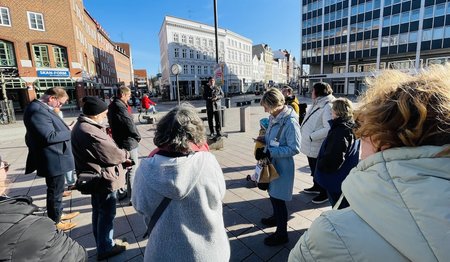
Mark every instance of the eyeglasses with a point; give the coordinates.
(59, 102)
(4, 165)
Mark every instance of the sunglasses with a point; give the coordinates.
(4, 165)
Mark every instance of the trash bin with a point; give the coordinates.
(227, 102)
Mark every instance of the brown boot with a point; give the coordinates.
(69, 216)
(64, 226)
(67, 193)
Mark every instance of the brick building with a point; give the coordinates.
(54, 43)
(141, 81)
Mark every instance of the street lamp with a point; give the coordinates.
(176, 69)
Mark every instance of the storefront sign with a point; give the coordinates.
(53, 73)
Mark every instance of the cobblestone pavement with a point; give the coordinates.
(243, 206)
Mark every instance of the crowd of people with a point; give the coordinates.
(383, 166)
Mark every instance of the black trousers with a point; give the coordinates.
(281, 215)
(55, 190)
(211, 113)
(313, 165)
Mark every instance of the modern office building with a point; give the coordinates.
(192, 45)
(343, 41)
(56, 43)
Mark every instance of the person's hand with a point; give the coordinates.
(259, 154)
(261, 139)
(128, 163)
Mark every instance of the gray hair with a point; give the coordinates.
(178, 128)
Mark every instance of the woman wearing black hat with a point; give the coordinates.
(95, 151)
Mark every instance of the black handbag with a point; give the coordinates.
(89, 182)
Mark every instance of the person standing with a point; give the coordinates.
(95, 151)
(191, 228)
(314, 129)
(124, 131)
(213, 95)
(290, 99)
(25, 236)
(49, 150)
(399, 193)
(282, 140)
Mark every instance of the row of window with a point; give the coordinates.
(35, 20)
(208, 70)
(41, 54)
(233, 55)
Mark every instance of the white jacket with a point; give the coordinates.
(399, 211)
(315, 126)
(191, 228)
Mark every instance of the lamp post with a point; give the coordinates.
(176, 69)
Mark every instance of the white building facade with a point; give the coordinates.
(192, 46)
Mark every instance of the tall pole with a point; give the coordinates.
(178, 89)
(215, 31)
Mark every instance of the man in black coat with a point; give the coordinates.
(50, 150)
(124, 131)
(213, 95)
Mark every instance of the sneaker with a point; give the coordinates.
(67, 193)
(321, 198)
(312, 190)
(269, 221)
(211, 135)
(115, 250)
(64, 226)
(69, 216)
(276, 239)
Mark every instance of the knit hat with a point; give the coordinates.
(93, 106)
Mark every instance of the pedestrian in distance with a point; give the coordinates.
(25, 236)
(124, 131)
(314, 129)
(289, 98)
(191, 228)
(213, 95)
(95, 151)
(282, 140)
(399, 193)
(148, 104)
(339, 152)
(49, 150)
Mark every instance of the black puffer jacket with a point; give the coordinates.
(124, 131)
(27, 237)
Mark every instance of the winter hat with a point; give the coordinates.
(93, 106)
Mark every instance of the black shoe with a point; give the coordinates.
(276, 239)
(269, 221)
(312, 190)
(321, 198)
(115, 250)
(219, 134)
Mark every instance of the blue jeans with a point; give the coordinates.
(134, 155)
(103, 214)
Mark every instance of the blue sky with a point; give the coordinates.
(138, 22)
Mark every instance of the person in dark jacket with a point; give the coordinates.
(213, 95)
(27, 237)
(49, 150)
(95, 151)
(124, 131)
(339, 152)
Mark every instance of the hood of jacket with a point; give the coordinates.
(404, 195)
(175, 177)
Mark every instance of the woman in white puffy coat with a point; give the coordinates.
(314, 130)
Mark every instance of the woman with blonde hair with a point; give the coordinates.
(282, 142)
(399, 193)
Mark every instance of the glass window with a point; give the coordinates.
(4, 16)
(447, 32)
(352, 46)
(439, 10)
(386, 21)
(376, 23)
(395, 19)
(375, 42)
(367, 44)
(394, 40)
(448, 9)
(191, 40)
(360, 8)
(426, 35)
(191, 54)
(60, 56)
(199, 70)
(41, 56)
(376, 4)
(438, 33)
(354, 10)
(177, 52)
(428, 12)
(183, 39)
(210, 43)
(385, 41)
(412, 37)
(36, 21)
(205, 70)
(403, 39)
(185, 69)
(387, 2)
(192, 69)
(197, 41)
(175, 37)
(415, 15)
(7, 54)
(183, 53)
(368, 25)
(404, 18)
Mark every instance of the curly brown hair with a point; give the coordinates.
(406, 110)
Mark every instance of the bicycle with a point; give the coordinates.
(144, 117)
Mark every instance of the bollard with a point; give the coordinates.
(245, 118)
(227, 102)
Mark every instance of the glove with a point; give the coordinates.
(259, 154)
